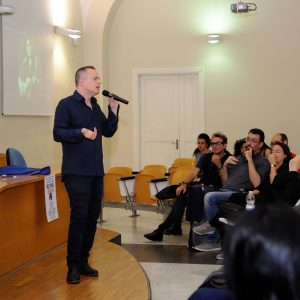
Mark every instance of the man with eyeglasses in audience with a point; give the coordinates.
(245, 172)
(209, 164)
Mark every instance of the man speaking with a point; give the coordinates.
(79, 125)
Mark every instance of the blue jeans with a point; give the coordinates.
(213, 200)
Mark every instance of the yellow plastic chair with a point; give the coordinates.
(158, 171)
(183, 161)
(141, 186)
(157, 185)
(173, 170)
(142, 189)
(111, 191)
(125, 171)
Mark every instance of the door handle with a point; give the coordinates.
(177, 144)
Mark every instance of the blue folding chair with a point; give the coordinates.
(15, 158)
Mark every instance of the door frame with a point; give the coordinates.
(136, 74)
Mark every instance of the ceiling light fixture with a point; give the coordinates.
(72, 33)
(6, 10)
(214, 38)
(243, 7)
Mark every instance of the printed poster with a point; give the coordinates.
(50, 198)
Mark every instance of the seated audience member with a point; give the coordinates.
(240, 146)
(203, 142)
(284, 187)
(282, 137)
(244, 172)
(279, 160)
(209, 164)
(262, 261)
(262, 254)
(293, 188)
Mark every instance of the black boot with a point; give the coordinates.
(175, 229)
(156, 235)
(87, 270)
(73, 275)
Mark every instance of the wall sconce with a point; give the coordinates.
(6, 10)
(71, 33)
(214, 38)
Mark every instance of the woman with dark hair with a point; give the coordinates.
(262, 254)
(239, 147)
(279, 160)
(203, 142)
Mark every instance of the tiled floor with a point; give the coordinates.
(174, 271)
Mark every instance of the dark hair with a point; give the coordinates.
(283, 137)
(262, 254)
(258, 132)
(203, 136)
(221, 136)
(286, 150)
(238, 146)
(80, 71)
(263, 149)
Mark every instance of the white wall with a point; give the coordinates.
(33, 135)
(251, 78)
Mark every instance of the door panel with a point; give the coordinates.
(159, 118)
(170, 114)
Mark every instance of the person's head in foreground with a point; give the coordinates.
(262, 254)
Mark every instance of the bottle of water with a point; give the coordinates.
(250, 199)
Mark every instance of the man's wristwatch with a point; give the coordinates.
(181, 182)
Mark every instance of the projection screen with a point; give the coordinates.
(27, 58)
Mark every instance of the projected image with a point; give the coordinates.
(28, 59)
(30, 72)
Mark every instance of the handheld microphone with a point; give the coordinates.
(110, 95)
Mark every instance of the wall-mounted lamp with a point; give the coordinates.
(214, 38)
(6, 10)
(72, 33)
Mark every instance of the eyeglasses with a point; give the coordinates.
(252, 141)
(216, 143)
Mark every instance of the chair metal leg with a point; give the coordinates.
(100, 219)
(133, 206)
(160, 206)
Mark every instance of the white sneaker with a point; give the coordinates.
(204, 228)
(226, 221)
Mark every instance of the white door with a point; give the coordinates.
(169, 114)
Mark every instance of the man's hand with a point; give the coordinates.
(114, 104)
(216, 160)
(88, 134)
(181, 189)
(271, 159)
(294, 164)
(248, 154)
(231, 160)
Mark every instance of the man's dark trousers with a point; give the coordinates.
(85, 194)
